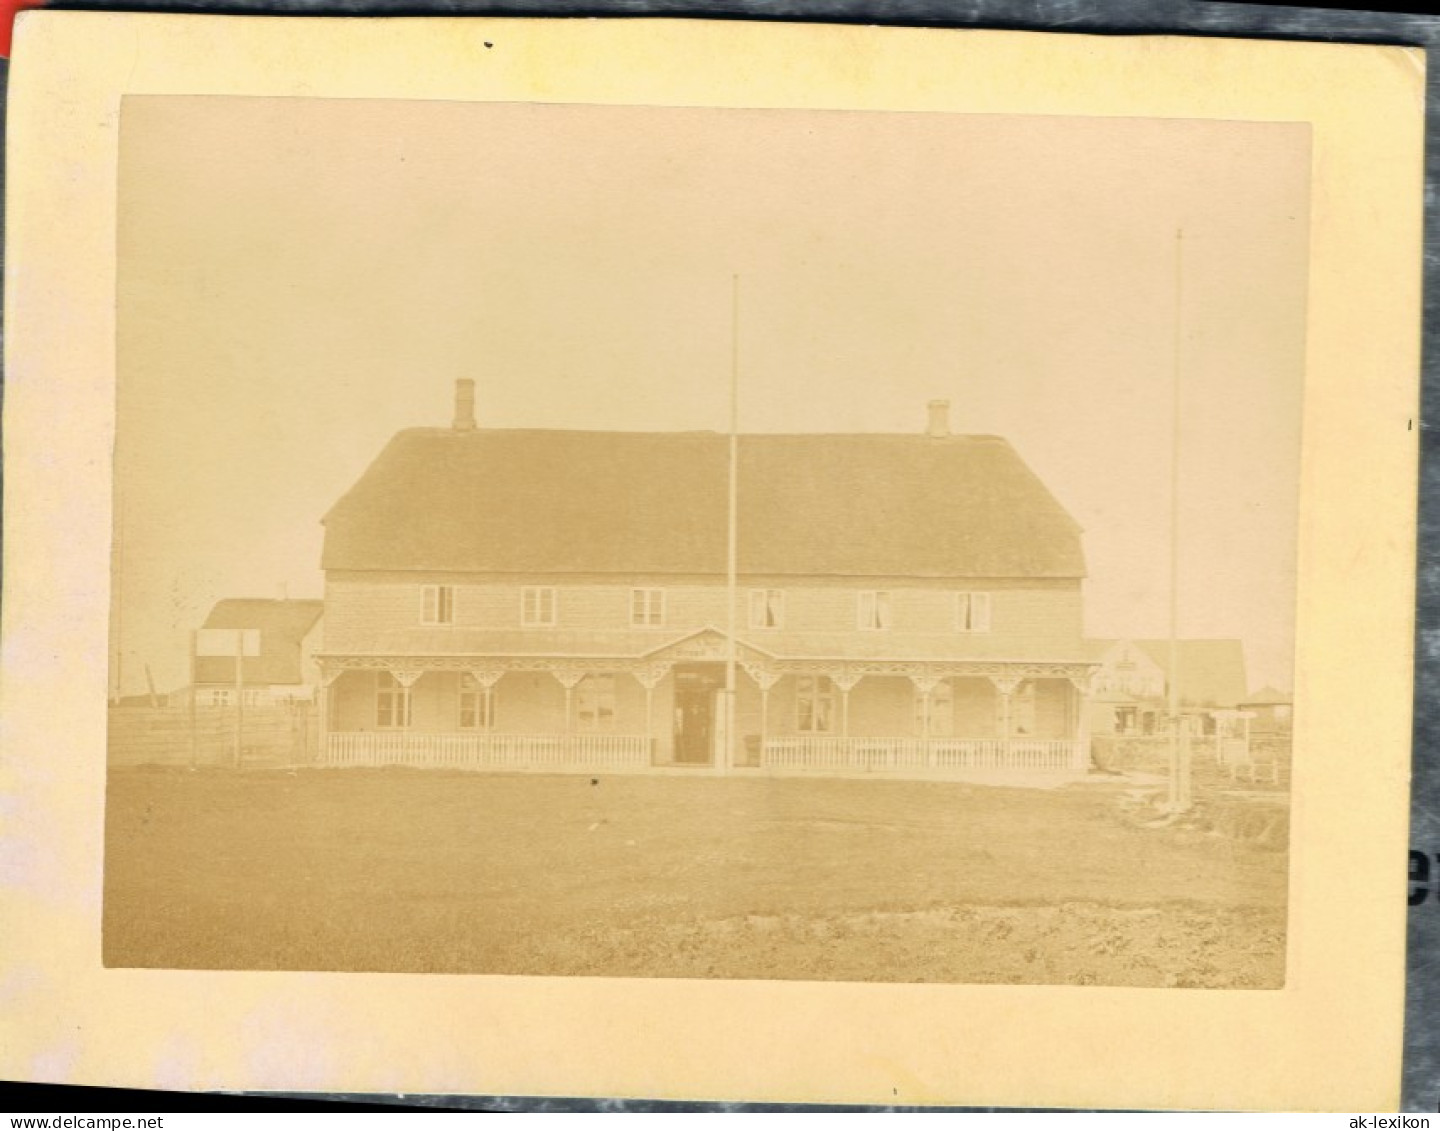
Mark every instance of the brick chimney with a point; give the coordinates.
(464, 405)
(939, 419)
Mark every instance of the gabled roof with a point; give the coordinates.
(1267, 696)
(1212, 672)
(537, 502)
(283, 627)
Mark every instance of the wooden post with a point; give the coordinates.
(1081, 760)
(194, 695)
(239, 695)
(1006, 686)
(650, 720)
(322, 717)
(845, 681)
(925, 683)
(764, 720)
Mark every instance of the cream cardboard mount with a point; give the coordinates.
(1330, 1038)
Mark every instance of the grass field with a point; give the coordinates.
(396, 870)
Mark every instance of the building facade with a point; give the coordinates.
(531, 599)
(1131, 688)
(278, 644)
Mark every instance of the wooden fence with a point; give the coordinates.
(901, 755)
(272, 735)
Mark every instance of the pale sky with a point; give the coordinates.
(301, 278)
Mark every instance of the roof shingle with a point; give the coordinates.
(558, 502)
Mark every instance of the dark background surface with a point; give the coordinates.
(1395, 25)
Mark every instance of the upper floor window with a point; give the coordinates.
(437, 604)
(647, 608)
(874, 609)
(477, 704)
(537, 606)
(595, 703)
(814, 704)
(972, 612)
(392, 701)
(767, 608)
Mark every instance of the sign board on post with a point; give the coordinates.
(227, 642)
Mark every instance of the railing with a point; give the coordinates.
(488, 751)
(882, 755)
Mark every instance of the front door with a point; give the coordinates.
(694, 714)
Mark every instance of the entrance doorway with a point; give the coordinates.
(697, 688)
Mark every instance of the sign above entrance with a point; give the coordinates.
(705, 646)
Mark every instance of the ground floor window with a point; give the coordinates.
(392, 701)
(936, 715)
(595, 703)
(814, 704)
(1022, 710)
(477, 704)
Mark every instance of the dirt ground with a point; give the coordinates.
(676, 876)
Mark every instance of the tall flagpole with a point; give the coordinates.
(727, 753)
(1179, 746)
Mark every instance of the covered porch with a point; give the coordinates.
(670, 711)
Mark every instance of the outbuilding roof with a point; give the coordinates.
(283, 626)
(567, 502)
(1267, 696)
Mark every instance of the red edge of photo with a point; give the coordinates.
(9, 9)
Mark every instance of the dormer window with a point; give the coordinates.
(972, 612)
(767, 608)
(873, 613)
(537, 606)
(437, 604)
(647, 608)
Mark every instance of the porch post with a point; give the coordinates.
(486, 677)
(650, 677)
(407, 678)
(764, 679)
(1006, 686)
(568, 678)
(328, 675)
(1080, 759)
(925, 683)
(846, 682)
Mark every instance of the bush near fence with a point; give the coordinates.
(1147, 753)
(1151, 753)
(272, 735)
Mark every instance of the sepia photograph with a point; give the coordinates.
(540, 562)
(654, 541)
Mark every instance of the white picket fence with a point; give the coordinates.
(587, 752)
(909, 755)
(489, 751)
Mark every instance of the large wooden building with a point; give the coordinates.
(535, 599)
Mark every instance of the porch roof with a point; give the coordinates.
(652, 644)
